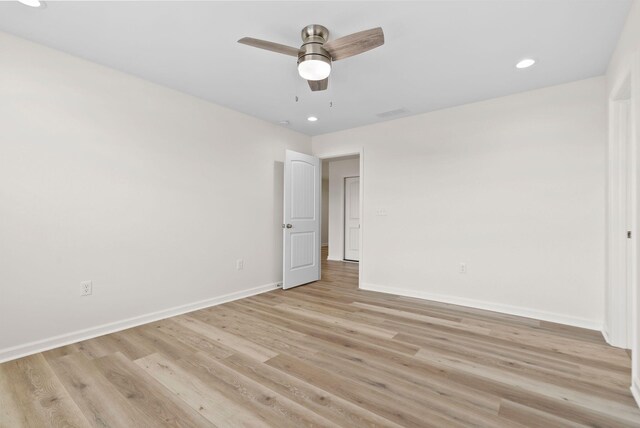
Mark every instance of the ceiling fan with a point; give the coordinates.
(317, 52)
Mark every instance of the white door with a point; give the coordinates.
(352, 218)
(301, 228)
(630, 226)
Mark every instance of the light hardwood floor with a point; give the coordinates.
(326, 354)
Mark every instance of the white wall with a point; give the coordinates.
(628, 47)
(150, 193)
(625, 62)
(513, 187)
(338, 171)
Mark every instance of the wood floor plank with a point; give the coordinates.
(147, 395)
(267, 335)
(326, 404)
(556, 372)
(323, 331)
(387, 406)
(339, 322)
(566, 401)
(158, 341)
(99, 401)
(327, 354)
(180, 335)
(12, 412)
(423, 319)
(201, 396)
(450, 407)
(532, 417)
(219, 335)
(41, 398)
(274, 408)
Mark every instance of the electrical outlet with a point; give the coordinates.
(86, 288)
(463, 268)
(240, 264)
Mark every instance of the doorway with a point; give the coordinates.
(341, 213)
(342, 226)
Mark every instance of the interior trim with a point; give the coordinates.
(635, 390)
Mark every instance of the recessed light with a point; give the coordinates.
(526, 63)
(32, 3)
(312, 118)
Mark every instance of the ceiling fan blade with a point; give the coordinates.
(319, 85)
(270, 46)
(355, 43)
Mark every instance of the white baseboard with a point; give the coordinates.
(489, 306)
(14, 352)
(335, 259)
(611, 342)
(635, 390)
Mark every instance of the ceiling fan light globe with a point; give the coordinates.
(314, 69)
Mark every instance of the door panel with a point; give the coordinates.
(302, 190)
(352, 218)
(301, 228)
(302, 249)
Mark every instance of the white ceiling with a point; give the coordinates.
(437, 53)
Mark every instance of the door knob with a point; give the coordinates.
(289, 226)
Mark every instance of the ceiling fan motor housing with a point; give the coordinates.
(313, 37)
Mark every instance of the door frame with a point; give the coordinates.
(360, 154)
(622, 203)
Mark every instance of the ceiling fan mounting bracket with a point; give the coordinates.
(315, 33)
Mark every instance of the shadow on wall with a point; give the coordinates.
(278, 214)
